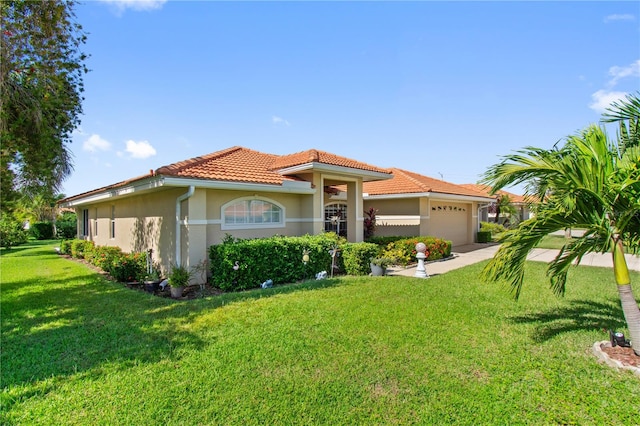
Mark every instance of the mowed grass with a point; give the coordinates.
(77, 349)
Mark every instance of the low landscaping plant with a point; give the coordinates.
(80, 248)
(357, 257)
(404, 250)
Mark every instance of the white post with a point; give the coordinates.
(421, 272)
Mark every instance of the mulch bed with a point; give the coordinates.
(625, 355)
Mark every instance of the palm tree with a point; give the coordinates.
(589, 183)
(503, 206)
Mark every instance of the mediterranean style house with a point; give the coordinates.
(181, 209)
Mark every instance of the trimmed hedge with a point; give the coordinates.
(277, 258)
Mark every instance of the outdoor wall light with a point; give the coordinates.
(617, 339)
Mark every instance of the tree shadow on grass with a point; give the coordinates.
(579, 315)
(66, 324)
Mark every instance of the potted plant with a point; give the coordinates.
(152, 281)
(379, 265)
(178, 279)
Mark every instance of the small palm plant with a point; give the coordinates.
(589, 183)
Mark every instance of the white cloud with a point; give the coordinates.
(618, 17)
(137, 5)
(142, 149)
(603, 99)
(618, 73)
(279, 121)
(96, 143)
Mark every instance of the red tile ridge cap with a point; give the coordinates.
(175, 168)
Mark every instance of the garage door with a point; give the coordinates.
(449, 221)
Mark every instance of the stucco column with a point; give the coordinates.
(317, 205)
(196, 231)
(355, 216)
(424, 212)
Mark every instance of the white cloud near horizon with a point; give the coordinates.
(140, 150)
(279, 121)
(96, 143)
(136, 5)
(619, 17)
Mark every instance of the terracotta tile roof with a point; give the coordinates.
(317, 156)
(515, 198)
(405, 182)
(236, 164)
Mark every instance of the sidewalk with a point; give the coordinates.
(474, 253)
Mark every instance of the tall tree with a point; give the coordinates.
(41, 85)
(589, 183)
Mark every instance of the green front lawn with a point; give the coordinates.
(77, 349)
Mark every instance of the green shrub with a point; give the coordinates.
(384, 241)
(81, 248)
(484, 236)
(12, 232)
(404, 251)
(179, 276)
(103, 256)
(65, 247)
(66, 226)
(128, 267)
(41, 230)
(494, 228)
(357, 257)
(277, 258)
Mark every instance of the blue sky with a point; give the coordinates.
(439, 88)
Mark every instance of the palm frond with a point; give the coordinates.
(627, 109)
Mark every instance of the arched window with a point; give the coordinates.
(252, 213)
(335, 218)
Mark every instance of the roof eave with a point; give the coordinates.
(366, 175)
(432, 195)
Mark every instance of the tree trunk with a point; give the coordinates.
(627, 300)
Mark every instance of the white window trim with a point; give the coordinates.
(270, 225)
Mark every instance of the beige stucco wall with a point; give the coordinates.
(141, 222)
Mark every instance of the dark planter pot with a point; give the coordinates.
(176, 292)
(151, 286)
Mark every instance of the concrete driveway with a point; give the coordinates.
(474, 253)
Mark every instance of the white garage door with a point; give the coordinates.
(449, 221)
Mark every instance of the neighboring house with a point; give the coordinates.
(181, 209)
(522, 205)
(414, 204)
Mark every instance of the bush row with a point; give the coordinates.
(244, 264)
(123, 267)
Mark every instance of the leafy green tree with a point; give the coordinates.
(589, 183)
(41, 82)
